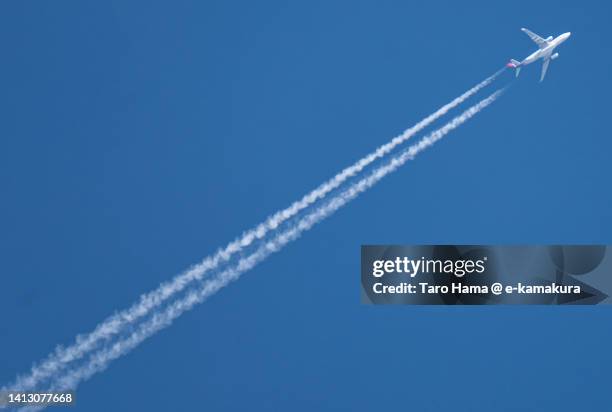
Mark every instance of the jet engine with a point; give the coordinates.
(554, 56)
(549, 38)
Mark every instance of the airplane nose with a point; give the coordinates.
(569, 33)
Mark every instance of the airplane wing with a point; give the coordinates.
(537, 39)
(544, 68)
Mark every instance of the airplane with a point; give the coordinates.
(545, 51)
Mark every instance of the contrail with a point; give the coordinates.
(114, 324)
(101, 359)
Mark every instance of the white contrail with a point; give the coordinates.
(101, 359)
(83, 344)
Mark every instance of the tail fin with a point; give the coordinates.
(515, 65)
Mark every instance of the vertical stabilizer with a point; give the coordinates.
(515, 64)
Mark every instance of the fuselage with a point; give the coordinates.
(547, 51)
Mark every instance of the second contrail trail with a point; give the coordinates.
(101, 359)
(63, 356)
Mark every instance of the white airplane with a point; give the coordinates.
(545, 51)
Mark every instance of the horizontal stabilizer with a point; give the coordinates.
(515, 64)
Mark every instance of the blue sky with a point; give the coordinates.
(137, 137)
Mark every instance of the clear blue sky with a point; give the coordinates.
(137, 137)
